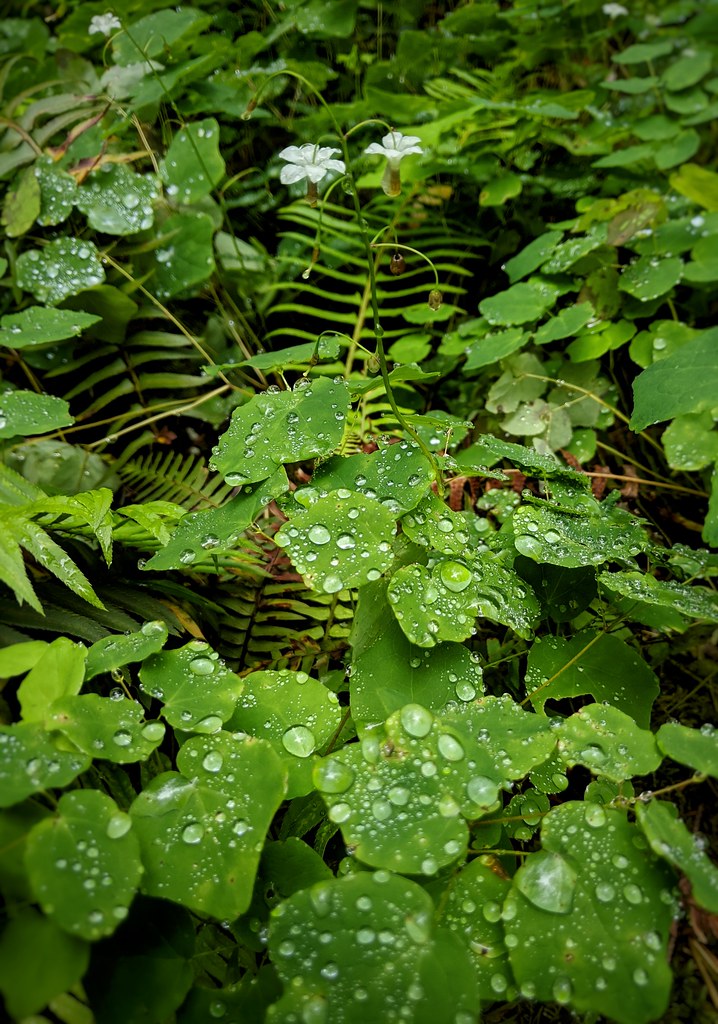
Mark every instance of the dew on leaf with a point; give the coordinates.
(416, 720)
(299, 740)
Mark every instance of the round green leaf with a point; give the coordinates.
(364, 948)
(691, 441)
(282, 426)
(84, 864)
(588, 918)
(671, 840)
(607, 742)
(58, 190)
(117, 201)
(58, 673)
(66, 266)
(22, 204)
(197, 690)
(296, 714)
(519, 304)
(344, 540)
(193, 165)
(698, 748)
(122, 649)
(398, 475)
(106, 728)
(693, 601)
(650, 277)
(434, 525)
(31, 762)
(39, 325)
(202, 832)
(598, 534)
(186, 256)
(431, 606)
(24, 413)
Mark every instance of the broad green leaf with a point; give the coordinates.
(649, 277)
(123, 649)
(149, 36)
(22, 204)
(19, 658)
(117, 201)
(591, 905)
(193, 165)
(605, 533)
(662, 339)
(202, 831)
(185, 258)
(691, 441)
(470, 906)
(397, 475)
(499, 190)
(608, 742)
(58, 191)
(697, 748)
(281, 426)
(493, 347)
(591, 663)
(66, 266)
(520, 304)
(704, 261)
(633, 87)
(105, 728)
(670, 839)
(200, 535)
(693, 601)
(58, 673)
(684, 382)
(434, 525)
(389, 672)
(687, 70)
(491, 449)
(197, 690)
(564, 255)
(402, 795)
(435, 605)
(84, 864)
(24, 413)
(565, 324)
(532, 256)
(292, 865)
(563, 593)
(640, 53)
(382, 959)
(343, 540)
(698, 184)
(296, 714)
(313, 19)
(38, 961)
(247, 1000)
(15, 825)
(39, 325)
(680, 149)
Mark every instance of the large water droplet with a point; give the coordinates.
(319, 534)
(202, 666)
(562, 990)
(417, 721)
(482, 791)
(333, 776)
(192, 833)
(548, 881)
(450, 748)
(122, 738)
(153, 731)
(455, 576)
(212, 761)
(118, 825)
(299, 740)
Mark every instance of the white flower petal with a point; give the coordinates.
(291, 173)
(323, 154)
(335, 165)
(375, 149)
(315, 173)
(292, 153)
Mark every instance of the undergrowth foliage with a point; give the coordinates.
(356, 628)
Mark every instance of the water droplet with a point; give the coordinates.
(122, 738)
(332, 584)
(202, 666)
(450, 748)
(548, 881)
(208, 725)
(605, 892)
(339, 813)
(482, 791)
(299, 740)
(455, 576)
(118, 825)
(594, 815)
(633, 893)
(417, 721)
(345, 541)
(334, 777)
(187, 556)
(212, 761)
(319, 534)
(640, 976)
(117, 693)
(153, 731)
(192, 833)
(562, 990)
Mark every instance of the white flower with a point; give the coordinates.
(104, 24)
(394, 146)
(309, 162)
(614, 10)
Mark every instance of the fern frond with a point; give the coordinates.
(174, 477)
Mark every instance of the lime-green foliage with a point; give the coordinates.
(339, 668)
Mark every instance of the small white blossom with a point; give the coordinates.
(614, 10)
(104, 24)
(310, 163)
(394, 146)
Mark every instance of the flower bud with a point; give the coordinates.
(397, 264)
(436, 299)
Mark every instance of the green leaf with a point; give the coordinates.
(24, 413)
(693, 601)
(281, 426)
(291, 865)
(499, 190)
(678, 150)
(641, 53)
(31, 762)
(563, 593)
(697, 748)
(687, 70)
(435, 605)
(193, 165)
(51, 556)
(38, 961)
(389, 672)
(591, 905)
(532, 256)
(470, 906)
(19, 658)
(398, 475)
(185, 258)
(704, 261)
(201, 535)
(401, 796)
(314, 19)
(66, 266)
(592, 663)
(198, 692)
(382, 956)
(58, 673)
(608, 742)
(650, 277)
(296, 714)
(691, 441)
(603, 533)
(38, 325)
(123, 649)
(22, 204)
(565, 324)
(84, 864)
(683, 382)
(432, 524)
(565, 255)
(106, 728)
(152, 35)
(327, 544)
(248, 1000)
(117, 201)
(698, 184)
(519, 304)
(58, 191)
(544, 465)
(202, 831)
(670, 839)
(493, 347)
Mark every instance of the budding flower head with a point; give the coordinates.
(104, 24)
(436, 299)
(310, 163)
(394, 146)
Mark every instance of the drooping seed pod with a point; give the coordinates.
(435, 299)
(397, 264)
